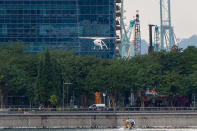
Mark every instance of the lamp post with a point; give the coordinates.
(104, 97)
(65, 83)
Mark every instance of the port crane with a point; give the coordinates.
(164, 37)
(168, 39)
(130, 37)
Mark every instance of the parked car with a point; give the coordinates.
(98, 107)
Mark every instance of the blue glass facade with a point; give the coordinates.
(59, 24)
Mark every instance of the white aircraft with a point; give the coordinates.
(98, 41)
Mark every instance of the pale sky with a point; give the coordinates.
(184, 15)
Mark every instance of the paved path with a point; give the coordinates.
(97, 113)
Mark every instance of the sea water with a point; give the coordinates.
(121, 129)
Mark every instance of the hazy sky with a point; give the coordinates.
(184, 15)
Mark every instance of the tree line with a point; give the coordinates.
(40, 76)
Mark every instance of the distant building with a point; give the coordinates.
(59, 24)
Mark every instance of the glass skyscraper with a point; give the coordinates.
(67, 24)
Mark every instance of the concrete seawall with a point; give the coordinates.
(98, 120)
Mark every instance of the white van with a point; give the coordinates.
(98, 107)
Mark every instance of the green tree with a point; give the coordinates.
(53, 100)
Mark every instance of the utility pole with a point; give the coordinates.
(63, 93)
(167, 33)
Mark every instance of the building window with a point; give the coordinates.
(4, 29)
(44, 29)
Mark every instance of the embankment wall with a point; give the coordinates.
(98, 120)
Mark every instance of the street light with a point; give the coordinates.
(104, 97)
(65, 83)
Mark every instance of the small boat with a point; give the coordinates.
(126, 129)
(129, 124)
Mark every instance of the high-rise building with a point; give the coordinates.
(68, 24)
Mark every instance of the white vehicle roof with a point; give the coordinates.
(99, 104)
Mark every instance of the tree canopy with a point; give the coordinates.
(40, 76)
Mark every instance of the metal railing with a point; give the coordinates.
(37, 110)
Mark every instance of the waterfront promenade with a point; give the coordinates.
(98, 119)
